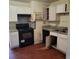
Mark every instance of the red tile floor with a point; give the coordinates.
(35, 52)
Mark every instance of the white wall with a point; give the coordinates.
(18, 8)
(64, 20)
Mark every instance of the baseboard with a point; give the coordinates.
(14, 46)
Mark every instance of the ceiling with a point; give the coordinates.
(35, 0)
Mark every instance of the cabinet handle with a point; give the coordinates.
(65, 7)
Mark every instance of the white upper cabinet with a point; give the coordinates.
(61, 8)
(52, 13)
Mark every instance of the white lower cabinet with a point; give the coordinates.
(38, 32)
(62, 43)
(14, 40)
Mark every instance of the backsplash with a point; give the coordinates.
(64, 20)
(12, 26)
(52, 23)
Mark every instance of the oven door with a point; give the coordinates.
(26, 38)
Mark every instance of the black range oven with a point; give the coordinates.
(26, 34)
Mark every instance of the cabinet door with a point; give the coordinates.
(38, 32)
(46, 14)
(52, 13)
(62, 44)
(61, 8)
(14, 40)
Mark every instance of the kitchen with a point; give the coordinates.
(47, 18)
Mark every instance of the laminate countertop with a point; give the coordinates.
(13, 30)
(61, 30)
